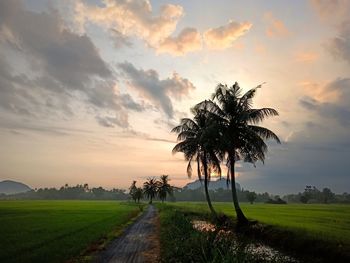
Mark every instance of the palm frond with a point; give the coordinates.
(185, 124)
(258, 115)
(246, 100)
(183, 135)
(264, 133)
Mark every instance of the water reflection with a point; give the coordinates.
(239, 244)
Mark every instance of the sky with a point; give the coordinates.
(89, 90)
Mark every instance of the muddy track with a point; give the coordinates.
(139, 242)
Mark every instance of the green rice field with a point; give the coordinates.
(55, 231)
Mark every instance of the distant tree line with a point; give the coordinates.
(218, 195)
(161, 189)
(66, 192)
(313, 195)
(310, 195)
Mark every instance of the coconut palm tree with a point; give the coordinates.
(196, 139)
(150, 188)
(138, 194)
(164, 188)
(240, 137)
(132, 190)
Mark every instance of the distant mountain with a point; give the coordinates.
(11, 187)
(213, 185)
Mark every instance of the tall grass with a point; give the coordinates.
(182, 243)
(312, 233)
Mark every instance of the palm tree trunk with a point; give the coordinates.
(206, 179)
(241, 219)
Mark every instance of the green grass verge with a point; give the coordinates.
(180, 242)
(323, 222)
(313, 233)
(55, 231)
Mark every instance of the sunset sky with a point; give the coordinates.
(89, 90)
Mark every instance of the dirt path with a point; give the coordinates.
(139, 242)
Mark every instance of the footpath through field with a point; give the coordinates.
(139, 242)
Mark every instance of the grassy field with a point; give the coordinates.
(55, 231)
(326, 222)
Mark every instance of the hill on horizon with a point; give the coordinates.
(213, 185)
(9, 187)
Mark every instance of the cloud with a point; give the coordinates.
(275, 27)
(188, 40)
(316, 150)
(130, 133)
(12, 98)
(155, 90)
(69, 58)
(14, 127)
(59, 67)
(336, 13)
(128, 102)
(119, 40)
(136, 18)
(224, 36)
(319, 92)
(331, 10)
(338, 109)
(132, 18)
(314, 154)
(334, 111)
(306, 56)
(339, 46)
(120, 119)
(302, 162)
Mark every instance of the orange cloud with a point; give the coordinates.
(188, 40)
(306, 57)
(132, 18)
(276, 27)
(136, 18)
(320, 93)
(224, 36)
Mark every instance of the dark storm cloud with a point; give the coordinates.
(336, 13)
(338, 110)
(303, 161)
(339, 46)
(316, 153)
(69, 58)
(328, 110)
(60, 67)
(157, 91)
